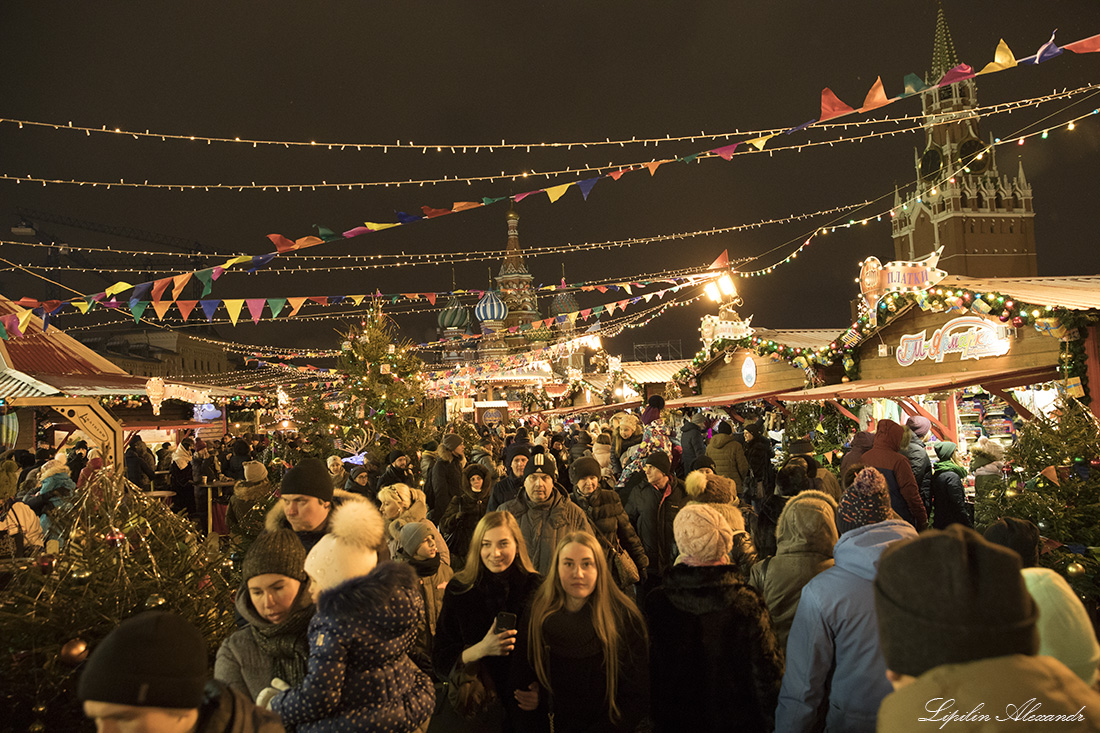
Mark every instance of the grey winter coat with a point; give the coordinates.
(544, 526)
(833, 644)
(692, 445)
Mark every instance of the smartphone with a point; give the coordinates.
(505, 621)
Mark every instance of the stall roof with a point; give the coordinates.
(592, 409)
(716, 400)
(654, 372)
(807, 338)
(868, 388)
(1075, 293)
(523, 375)
(17, 384)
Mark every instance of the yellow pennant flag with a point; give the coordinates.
(378, 227)
(237, 261)
(24, 319)
(357, 299)
(234, 308)
(760, 142)
(161, 307)
(556, 192)
(118, 288)
(81, 305)
(1002, 59)
(820, 428)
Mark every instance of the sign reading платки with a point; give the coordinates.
(969, 336)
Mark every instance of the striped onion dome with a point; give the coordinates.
(491, 307)
(563, 303)
(455, 315)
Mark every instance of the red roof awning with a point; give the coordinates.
(910, 386)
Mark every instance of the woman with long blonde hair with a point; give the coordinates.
(587, 645)
(477, 620)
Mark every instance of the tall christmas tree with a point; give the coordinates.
(382, 403)
(122, 552)
(1055, 469)
(824, 426)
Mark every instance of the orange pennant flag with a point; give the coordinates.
(282, 244)
(178, 282)
(295, 305)
(159, 287)
(831, 106)
(653, 165)
(875, 98)
(616, 175)
(463, 205)
(185, 307)
(307, 242)
(161, 307)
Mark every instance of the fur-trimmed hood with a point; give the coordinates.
(807, 524)
(276, 515)
(417, 512)
(252, 491)
(52, 468)
(391, 591)
(706, 589)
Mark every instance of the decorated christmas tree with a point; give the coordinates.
(1055, 483)
(824, 426)
(382, 403)
(122, 552)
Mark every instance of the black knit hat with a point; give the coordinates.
(702, 462)
(275, 551)
(393, 456)
(755, 429)
(584, 467)
(1019, 535)
(949, 597)
(660, 460)
(541, 463)
(724, 428)
(153, 660)
(309, 477)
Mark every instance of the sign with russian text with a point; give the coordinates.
(970, 337)
(876, 279)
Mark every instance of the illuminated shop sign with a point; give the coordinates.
(969, 336)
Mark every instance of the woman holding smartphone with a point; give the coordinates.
(493, 589)
(587, 644)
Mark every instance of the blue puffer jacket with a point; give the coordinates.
(360, 676)
(834, 644)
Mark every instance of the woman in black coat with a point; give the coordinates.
(498, 576)
(605, 512)
(948, 493)
(464, 512)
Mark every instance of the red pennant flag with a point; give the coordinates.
(831, 106)
(430, 297)
(281, 243)
(185, 307)
(726, 152)
(1085, 45)
(601, 288)
(586, 313)
(319, 299)
(722, 262)
(616, 175)
(159, 287)
(431, 213)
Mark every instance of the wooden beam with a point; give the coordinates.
(1020, 409)
(844, 411)
(778, 405)
(947, 433)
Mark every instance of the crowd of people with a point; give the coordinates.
(618, 576)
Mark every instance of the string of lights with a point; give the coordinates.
(448, 147)
(610, 167)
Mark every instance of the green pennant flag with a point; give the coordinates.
(489, 201)
(276, 305)
(690, 158)
(137, 307)
(394, 298)
(327, 234)
(3, 332)
(207, 279)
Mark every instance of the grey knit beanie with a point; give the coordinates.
(276, 551)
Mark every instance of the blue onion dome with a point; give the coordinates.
(491, 307)
(563, 303)
(455, 315)
(542, 333)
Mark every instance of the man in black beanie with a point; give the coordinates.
(306, 498)
(397, 471)
(149, 675)
(958, 633)
(653, 506)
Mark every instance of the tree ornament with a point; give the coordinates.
(114, 539)
(74, 652)
(391, 349)
(1075, 569)
(1017, 322)
(1005, 316)
(156, 600)
(37, 727)
(1043, 525)
(46, 563)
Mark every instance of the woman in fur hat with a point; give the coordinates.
(274, 598)
(588, 647)
(402, 504)
(465, 511)
(605, 512)
(339, 473)
(359, 676)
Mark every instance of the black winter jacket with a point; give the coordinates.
(714, 660)
(653, 515)
(948, 500)
(460, 520)
(922, 469)
(606, 515)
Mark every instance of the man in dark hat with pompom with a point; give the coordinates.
(149, 674)
(958, 633)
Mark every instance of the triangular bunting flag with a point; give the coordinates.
(319, 299)
(3, 330)
(1085, 45)
(24, 319)
(831, 106)
(487, 201)
(117, 288)
(177, 284)
(626, 287)
(721, 262)
(307, 242)
(260, 261)
(238, 260)
(356, 231)
(141, 291)
(377, 227)
(326, 234)
(726, 151)
(357, 299)
(159, 287)
(206, 277)
(281, 243)
(11, 325)
(431, 213)
(521, 196)
(610, 308)
(648, 297)
(586, 313)
(1045, 53)
(161, 307)
(616, 175)
(653, 165)
(586, 186)
(295, 305)
(405, 218)
(137, 307)
(84, 305)
(464, 205)
(913, 84)
(1002, 59)
(430, 297)
(556, 192)
(876, 97)
(218, 271)
(234, 307)
(960, 72)
(185, 307)
(256, 308)
(209, 307)
(760, 142)
(276, 305)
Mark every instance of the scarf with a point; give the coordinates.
(950, 466)
(286, 644)
(424, 568)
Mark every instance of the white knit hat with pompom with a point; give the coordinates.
(350, 549)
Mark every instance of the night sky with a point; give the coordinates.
(464, 73)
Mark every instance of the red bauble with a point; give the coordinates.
(1018, 322)
(46, 563)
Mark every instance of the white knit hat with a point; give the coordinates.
(350, 549)
(702, 534)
